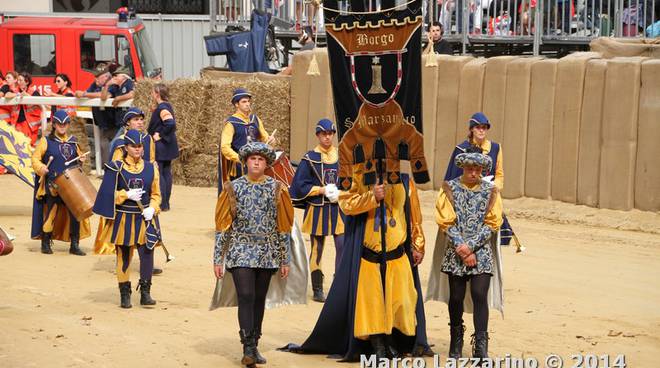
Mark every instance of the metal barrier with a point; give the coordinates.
(508, 21)
(539, 21)
(69, 101)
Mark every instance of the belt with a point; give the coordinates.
(375, 257)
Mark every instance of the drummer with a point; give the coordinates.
(51, 219)
(240, 128)
(315, 187)
(134, 119)
(128, 200)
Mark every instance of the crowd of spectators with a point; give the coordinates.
(559, 17)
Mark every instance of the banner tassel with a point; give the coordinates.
(431, 60)
(313, 66)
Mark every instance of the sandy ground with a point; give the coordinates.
(588, 283)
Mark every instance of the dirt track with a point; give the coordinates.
(588, 283)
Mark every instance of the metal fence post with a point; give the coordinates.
(618, 18)
(213, 10)
(465, 26)
(538, 26)
(97, 149)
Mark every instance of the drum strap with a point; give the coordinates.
(318, 176)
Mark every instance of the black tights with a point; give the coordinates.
(478, 290)
(251, 286)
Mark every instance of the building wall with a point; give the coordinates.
(25, 6)
(178, 41)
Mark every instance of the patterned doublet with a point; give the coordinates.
(471, 207)
(253, 240)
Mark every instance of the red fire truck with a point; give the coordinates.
(44, 46)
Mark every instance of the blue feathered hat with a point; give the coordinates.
(479, 118)
(257, 148)
(61, 117)
(238, 94)
(133, 136)
(131, 113)
(473, 158)
(325, 125)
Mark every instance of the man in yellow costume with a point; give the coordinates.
(240, 128)
(375, 307)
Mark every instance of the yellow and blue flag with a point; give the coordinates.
(16, 152)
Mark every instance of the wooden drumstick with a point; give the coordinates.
(76, 159)
(271, 138)
(50, 159)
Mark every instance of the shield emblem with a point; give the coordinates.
(330, 176)
(67, 151)
(135, 183)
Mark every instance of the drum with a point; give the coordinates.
(281, 169)
(76, 191)
(6, 246)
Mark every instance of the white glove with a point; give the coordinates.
(135, 194)
(148, 213)
(332, 193)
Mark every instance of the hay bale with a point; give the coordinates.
(201, 107)
(197, 170)
(178, 175)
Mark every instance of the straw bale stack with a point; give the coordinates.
(201, 107)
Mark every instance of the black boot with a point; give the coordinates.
(46, 243)
(257, 336)
(378, 344)
(125, 292)
(317, 286)
(480, 345)
(145, 293)
(249, 348)
(456, 341)
(75, 246)
(389, 347)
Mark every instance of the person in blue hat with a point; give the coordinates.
(51, 219)
(375, 305)
(253, 220)
(129, 199)
(134, 119)
(469, 214)
(240, 128)
(314, 188)
(478, 126)
(477, 139)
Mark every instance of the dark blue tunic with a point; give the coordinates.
(167, 148)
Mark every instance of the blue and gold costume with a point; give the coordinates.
(494, 151)
(358, 306)
(124, 226)
(318, 168)
(253, 221)
(469, 214)
(239, 129)
(149, 149)
(116, 151)
(51, 219)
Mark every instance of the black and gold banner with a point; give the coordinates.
(375, 66)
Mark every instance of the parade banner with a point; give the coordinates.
(15, 153)
(375, 66)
